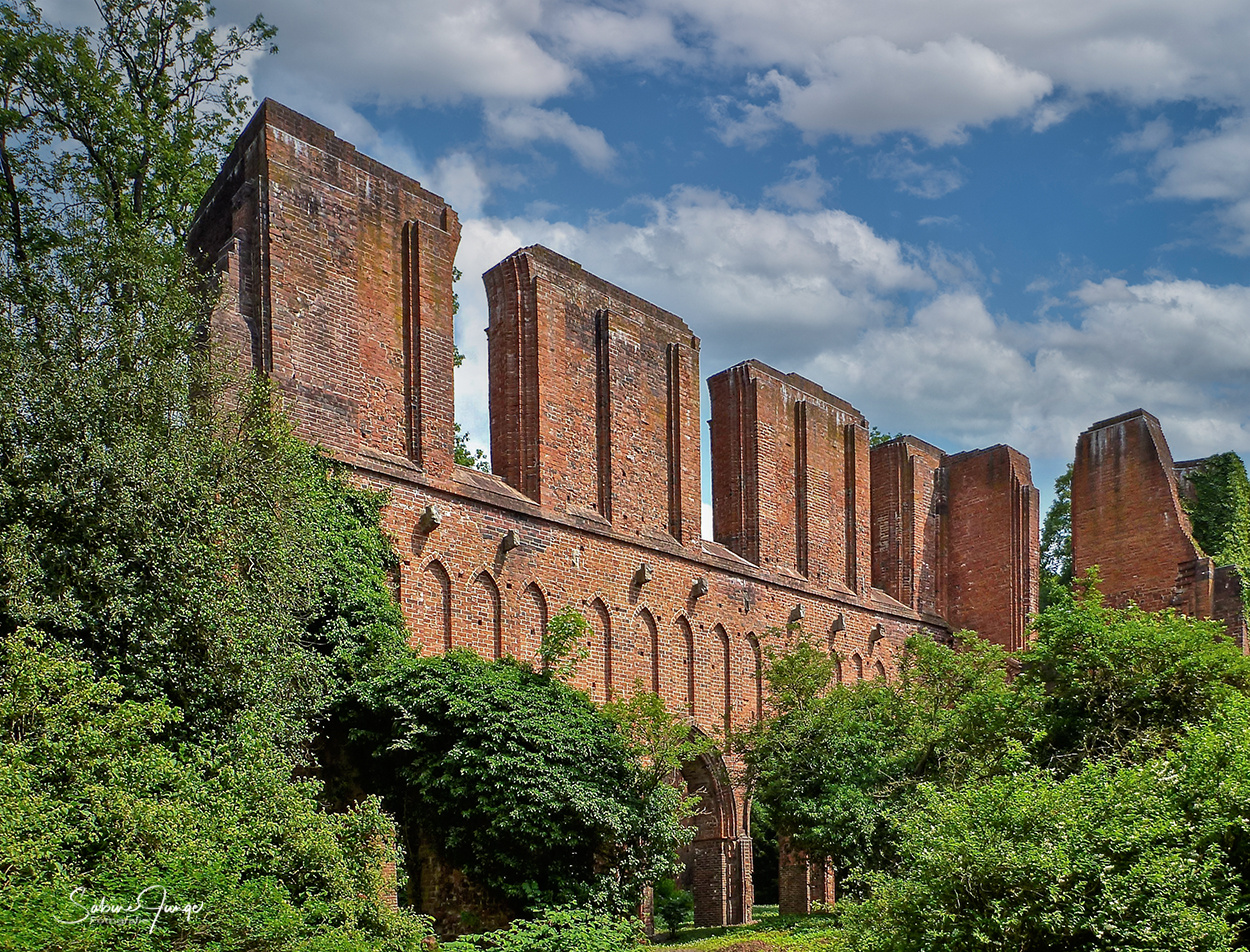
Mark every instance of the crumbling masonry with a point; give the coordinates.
(337, 283)
(1128, 520)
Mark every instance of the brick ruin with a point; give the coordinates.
(1128, 520)
(336, 277)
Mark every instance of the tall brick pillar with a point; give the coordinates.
(594, 397)
(338, 285)
(803, 881)
(990, 543)
(429, 341)
(906, 522)
(791, 476)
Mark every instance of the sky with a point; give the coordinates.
(979, 221)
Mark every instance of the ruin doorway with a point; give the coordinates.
(717, 864)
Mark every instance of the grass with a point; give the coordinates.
(768, 931)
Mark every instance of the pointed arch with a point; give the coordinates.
(716, 877)
(677, 667)
(533, 624)
(755, 702)
(485, 625)
(433, 628)
(878, 670)
(857, 663)
(712, 703)
(646, 660)
(600, 650)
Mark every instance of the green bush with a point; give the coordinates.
(521, 782)
(557, 930)
(673, 905)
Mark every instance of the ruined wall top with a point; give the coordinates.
(1127, 516)
(337, 283)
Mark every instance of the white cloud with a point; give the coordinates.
(802, 188)
(841, 67)
(404, 52)
(864, 86)
(1152, 136)
(1213, 165)
(923, 179)
(586, 32)
(521, 125)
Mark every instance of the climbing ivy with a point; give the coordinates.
(1219, 512)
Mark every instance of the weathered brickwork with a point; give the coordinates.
(990, 544)
(1127, 519)
(337, 282)
(907, 523)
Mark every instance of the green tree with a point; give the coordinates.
(187, 592)
(673, 905)
(1124, 683)
(521, 782)
(1102, 807)
(831, 767)
(94, 798)
(1056, 543)
(1104, 859)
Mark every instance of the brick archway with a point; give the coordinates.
(718, 862)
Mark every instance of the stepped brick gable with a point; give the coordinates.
(1128, 520)
(336, 277)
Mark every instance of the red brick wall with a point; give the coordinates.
(337, 275)
(347, 271)
(790, 477)
(1127, 517)
(594, 397)
(990, 545)
(906, 522)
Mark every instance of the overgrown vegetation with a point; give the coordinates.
(1219, 512)
(1093, 802)
(186, 591)
(522, 783)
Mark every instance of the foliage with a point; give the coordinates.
(522, 783)
(876, 436)
(830, 767)
(1056, 544)
(661, 742)
(187, 592)
(1103, 859)
(673, 905)
(1124, 683)
(796, 677)
(565, 929)
(563, 644)
(1219, 512)
(91, 798)
(1096, 801)
(208, 559)
(1220, 509)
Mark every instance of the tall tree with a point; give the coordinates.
(1056, 543)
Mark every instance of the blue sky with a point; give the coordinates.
(980, 221)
